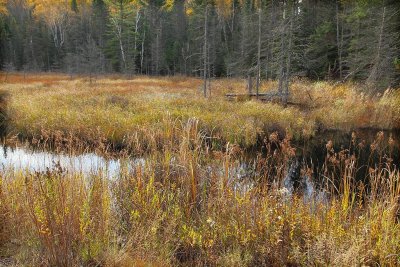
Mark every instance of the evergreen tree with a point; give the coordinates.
(260, 39)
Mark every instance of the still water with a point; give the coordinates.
(240, 175)
(20, 158)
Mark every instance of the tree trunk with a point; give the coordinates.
(142, 52)
(135, 41)
(205, 52)
(338, 40)
(289, 54)
(121, 47)
(249, 84)
(282, 59)
(258, 54)
(373, 76)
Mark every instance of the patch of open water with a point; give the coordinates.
(311, 152)
(22, 158)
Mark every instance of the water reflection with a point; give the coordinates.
(241, 175)
(19, 158)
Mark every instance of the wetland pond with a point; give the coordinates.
(311, 153)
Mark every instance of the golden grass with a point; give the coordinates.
(172, 213)
(120, 111)
(175, 211)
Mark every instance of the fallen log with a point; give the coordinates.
(261, 96)
(273, 96)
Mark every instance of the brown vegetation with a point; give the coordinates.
(184, 207)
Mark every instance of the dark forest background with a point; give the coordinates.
(267, 39)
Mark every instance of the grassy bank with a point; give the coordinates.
(173, 212)
(184, 207)
(124, 113)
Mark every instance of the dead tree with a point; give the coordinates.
(205, 52)
(249, 84)
(339, 40)
(258, 54)
(374, 73)
(287, 32)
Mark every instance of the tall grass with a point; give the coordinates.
(181, 208)
(184, 207)
(117, 113)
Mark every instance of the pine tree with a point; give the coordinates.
(372, 48)
(74, 6)
(121, 22)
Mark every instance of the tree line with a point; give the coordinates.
(263, 39)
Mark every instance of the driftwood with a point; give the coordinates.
(270, 96)
(273, 96)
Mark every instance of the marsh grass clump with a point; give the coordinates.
(180, 208)
(118, 101)
(58, 219)
(4, 220)
(122, 112)
(189, 202)
(4, 98)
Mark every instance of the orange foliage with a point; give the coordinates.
(3, 8)
(16, 78)
(224, 7)
(53, 10)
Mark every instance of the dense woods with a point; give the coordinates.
(263, 39)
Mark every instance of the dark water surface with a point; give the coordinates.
(310, 153)
(369, 149)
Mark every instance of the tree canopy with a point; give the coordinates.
(267, 39)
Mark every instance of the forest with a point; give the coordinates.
(276, 39)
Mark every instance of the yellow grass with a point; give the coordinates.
(174, 214)
(119, 111)
(175, 211)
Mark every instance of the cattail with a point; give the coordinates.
(373, 147)
(288, 135)
(353, 136)
(292, 151)
(391, 141)
(379, 136)
(343, 154)
(389, 160)
(329, 145)
(361, 145)
(273, 137)
(371, 171)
